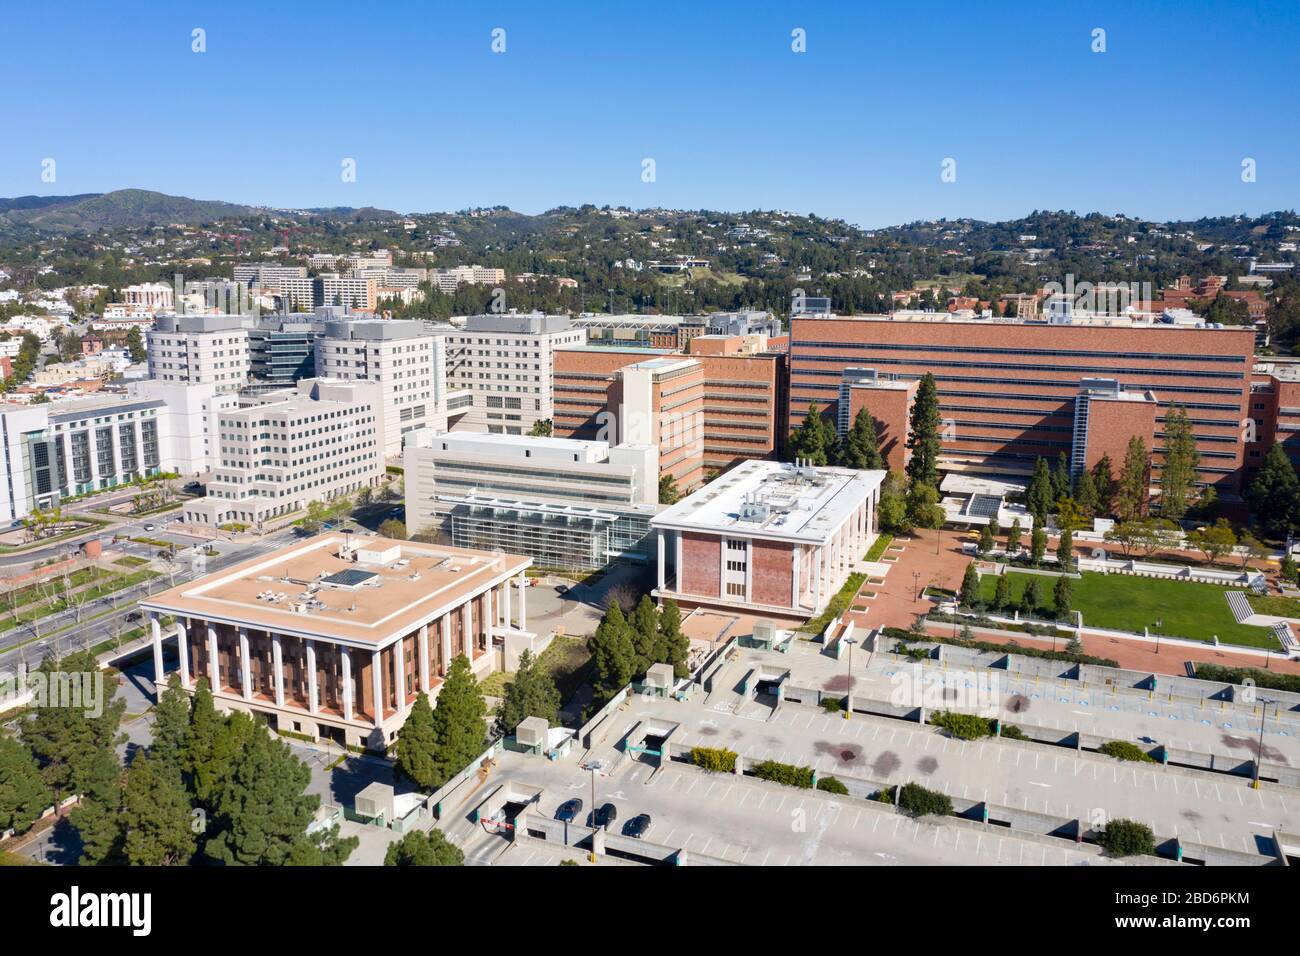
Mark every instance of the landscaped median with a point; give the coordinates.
(836, 606)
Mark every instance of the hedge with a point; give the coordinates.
(1239, 675)
(832, 785)
(963, 726)
(918, 801)
(1127, 838)
(1043, 653)
(717, 760)
(832, 704)
(1123, 750)
(785, 773)
(1012, 732)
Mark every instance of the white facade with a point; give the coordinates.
(507, 364)
(184, 432)
(200, 350)
(276, 452)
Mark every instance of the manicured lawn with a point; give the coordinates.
(1274, 604)
(1123, 603)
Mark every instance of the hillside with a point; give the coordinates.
(120, 209)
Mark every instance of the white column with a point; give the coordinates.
(116, 444)
(423, 646)
(446, 644)
(377, 685)
(347, 683)
(399, 671)
(523, 596)
(467, 626)
(277, 662)
(214, 666)
(794, 575)
(155, 629)
(677, 568)
(313, 699)
(245, 664)
(661, 559)
(489, 622)
(505, 590)
(183, 645)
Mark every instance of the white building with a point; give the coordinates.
(566, 503)
(507, 364)
(154, 296)
(200, 350)
(277, 451)
(408, 362)
(184, 433)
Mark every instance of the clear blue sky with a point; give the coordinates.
(856, 127)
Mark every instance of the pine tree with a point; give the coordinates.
(459, 727)
(1033, 596)
(97, 817)
(415, 745)
(23, 794)
(676, 645)
(1013, 536)
(1134, 485)
(1086, 495)
(645, 636)
(861, 446)
(923, 438)
(1103, 479)
(1178, 474)
(808, 441)
(1274, 495)
(1061, 485)
(1037, 545)
(1061, 597)
(156, 814)
(1039, 496)
(1065, 549)
(263, 810)
(171, 724)
(612, 654)
(970, 587)
(985, 544)
(423, 848)
(1002, 593)
(532, 693)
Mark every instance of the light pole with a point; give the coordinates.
(1159, 623)
(848, 693)
(594, 767)
(1259, 748)
(916, 584)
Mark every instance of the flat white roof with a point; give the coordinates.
(773, 499)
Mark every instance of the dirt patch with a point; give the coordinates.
(839, 684)
(1252, 747)
(1017, 703)
(927, 765)
(844, 753)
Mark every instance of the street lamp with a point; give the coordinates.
(916, 583)
(1259, 748)
(594, 767)
(1159, 623)
(848, 693)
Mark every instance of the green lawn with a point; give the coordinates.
(878, 547)
(1274, 604)
(1123, 603)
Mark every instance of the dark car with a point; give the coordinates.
(637, 826)
(134, 616)
(561, 589)
(569, 810)
(603, 816)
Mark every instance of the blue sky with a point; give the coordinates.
(857, 127)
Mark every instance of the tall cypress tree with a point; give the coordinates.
(613, 655)
(171, 724)
(532, 693)
(23, 794)
(1178, 473)
(1274, 495)
(459, 727)
(861, 446)
(1134, 488)
(675, 643)
(923, 438)
(808, 441)
(1039, 498)
(415, 745)
(156, 814)
(1061, 484)
(1103, 480)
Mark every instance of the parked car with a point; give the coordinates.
(569, 810)
(148, 527)
(134, 616)
(603, 816)
(561, 589)
(638, 826)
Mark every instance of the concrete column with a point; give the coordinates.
(422, 645)
(277, 663)
(399, 671)
(816, 582)
(677, 567)
(446, 644)
(660, 555)
(346, 666)
(507, 619)
(183, 645)
(467, 625)
(245, 665)
(523, 601)
(489, 622)
(313, 695)
(377, 680)
(155, 630)
(214, 666)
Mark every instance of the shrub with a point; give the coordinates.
(1012, 732)
(884, 795)
(1011, 647)
(832, 785)
(832, 705)
(1239, 675)
(963, 726)
(918, 801)
(1123, 750)
(716, 760)
(1127, 838)
(785, 773)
